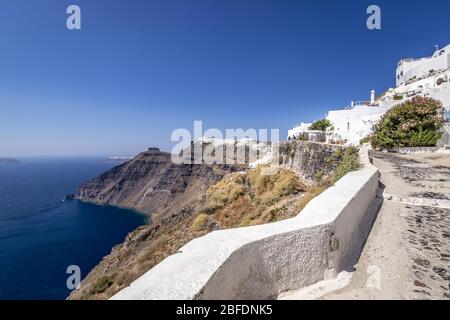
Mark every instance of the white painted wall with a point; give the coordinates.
(409, 68)
(355, 124)
(300, 129)
(260, 262)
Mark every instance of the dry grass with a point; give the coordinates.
(250, 198)
(200, 222)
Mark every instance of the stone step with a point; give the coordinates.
(414, 201)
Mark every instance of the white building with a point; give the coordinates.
(354, 124)
(427, 77)
(410, 70)
(299, 130)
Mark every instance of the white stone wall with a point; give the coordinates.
(260, 262)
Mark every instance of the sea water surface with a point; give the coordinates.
(40, 235)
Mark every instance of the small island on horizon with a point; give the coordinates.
(9, 161)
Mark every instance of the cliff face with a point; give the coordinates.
(151, 183)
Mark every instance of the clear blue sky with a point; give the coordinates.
(140, 69)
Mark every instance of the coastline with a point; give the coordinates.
(132, 210)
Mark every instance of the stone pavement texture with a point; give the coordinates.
(407, 254)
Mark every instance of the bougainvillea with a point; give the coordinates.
(414, 123)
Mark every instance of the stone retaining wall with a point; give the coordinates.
(308, 158)
(413, 150)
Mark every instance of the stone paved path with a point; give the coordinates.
(407, 255)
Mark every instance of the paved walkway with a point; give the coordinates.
(407, 255)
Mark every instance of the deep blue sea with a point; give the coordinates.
(40, 235)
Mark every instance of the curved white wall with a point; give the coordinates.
(260, 262)
(421, 67)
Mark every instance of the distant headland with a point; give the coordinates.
(9, 161)
(118, 159)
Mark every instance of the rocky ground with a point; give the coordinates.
(407, 255)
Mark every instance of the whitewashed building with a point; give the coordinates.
(410, 70)
(428, 77)
(298, 130)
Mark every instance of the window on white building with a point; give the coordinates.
(348, 126)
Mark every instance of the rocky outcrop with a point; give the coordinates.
(152, 183)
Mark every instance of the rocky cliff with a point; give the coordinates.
(152, 183)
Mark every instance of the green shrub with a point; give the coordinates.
(364, 140)
(321, 125)
(210, 208)
(350, 162)
(200, 222)
(103, 283)
(236, 192)
(318, 175)
(414, 123)
(273, 214)
(329, 161)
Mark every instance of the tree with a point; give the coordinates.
(414, 123)
(321, 125)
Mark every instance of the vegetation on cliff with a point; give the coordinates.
(348, 161)
(254, 197)
(414, 123)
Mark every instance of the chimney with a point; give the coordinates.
(372, 97)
